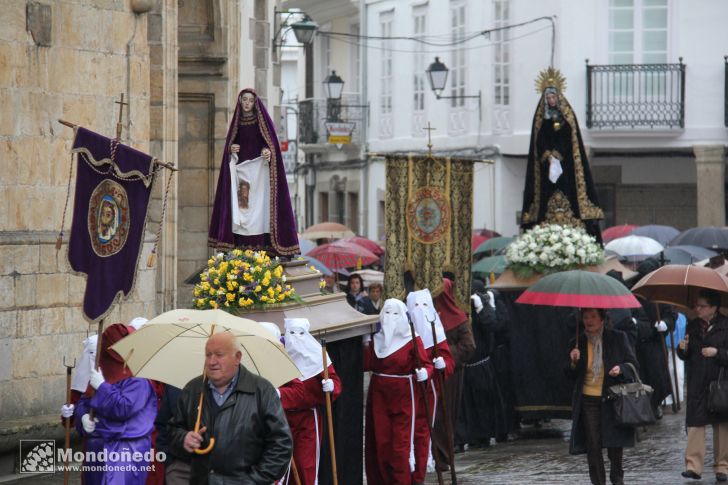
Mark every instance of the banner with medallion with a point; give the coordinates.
(113, 187)
(428, 220)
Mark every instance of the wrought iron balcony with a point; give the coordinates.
(636, 95)
(314, 114)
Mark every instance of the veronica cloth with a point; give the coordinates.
(302, 401)
(251, 200)
(253, 134)
(113, 186)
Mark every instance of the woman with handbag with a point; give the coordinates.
(598, 361)
(705, 352)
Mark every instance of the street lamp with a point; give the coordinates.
(303, 29)
(437, 74)
(333, 86)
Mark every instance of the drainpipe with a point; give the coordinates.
(364, 126)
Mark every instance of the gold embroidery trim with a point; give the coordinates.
(558, 211)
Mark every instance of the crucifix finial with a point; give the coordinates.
(121, 110)
(429, 137)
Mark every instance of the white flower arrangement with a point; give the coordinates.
(551, 248)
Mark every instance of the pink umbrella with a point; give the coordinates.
(366, 244)
(615, 232)
(343, 254)
(477, 240)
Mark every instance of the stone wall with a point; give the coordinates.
(70, 60)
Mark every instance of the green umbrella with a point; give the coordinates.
(492, 264)
(489, 247)
(579, 289)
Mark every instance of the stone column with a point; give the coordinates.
(710, 168)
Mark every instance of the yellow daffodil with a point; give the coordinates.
(213, 304)
(212, 291)
(230, 296)
(264, 298)
(265, 282)
(258, 289)
(197, 291)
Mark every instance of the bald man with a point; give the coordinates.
(241, 411)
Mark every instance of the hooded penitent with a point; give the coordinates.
(450, 315)
(395, 332)
(82, 372)
(304, 350)
(112, 364)
(253, 132)
(422, 312)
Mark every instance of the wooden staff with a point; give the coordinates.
(673, 384)
(329, 417)
(448, 424)
(423, 388)
(294, 472)
(67, 421)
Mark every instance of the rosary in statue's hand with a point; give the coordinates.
(265, 154)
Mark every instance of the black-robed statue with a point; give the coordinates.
(559, 187)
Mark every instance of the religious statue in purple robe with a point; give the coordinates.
(124, 410)
(252, 208)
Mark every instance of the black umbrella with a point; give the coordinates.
(706, 237)
(687, 254)
(661, 234)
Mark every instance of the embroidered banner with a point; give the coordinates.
(428, 216)
(113, 186)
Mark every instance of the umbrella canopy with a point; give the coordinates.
(366, 244)
(579, 289)
(327, 230)
(491, 264)
(678, 284)
(476, 240)
(687, 254)
(616, 232)
(492, 245)
(706, 237)
(343, 254)
(171, 347)
(318, 265)
(370, 276)
(634, 247)
(487, 233)
(661, 234)
(305, 245)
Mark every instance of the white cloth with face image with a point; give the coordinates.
(305, 351)
(395, 332)
(254, 218)
(422, 311)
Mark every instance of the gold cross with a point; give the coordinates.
(121, 110)
(429, 137)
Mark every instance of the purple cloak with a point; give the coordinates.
(125, 412)
(252, 138)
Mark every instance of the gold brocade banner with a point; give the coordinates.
(429, 214)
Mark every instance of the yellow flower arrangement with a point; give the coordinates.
(242, 280)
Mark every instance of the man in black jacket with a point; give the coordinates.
(242, 411)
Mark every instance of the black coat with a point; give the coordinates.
(615, 351)
(652, 351)
(701, 371)
(253, 443)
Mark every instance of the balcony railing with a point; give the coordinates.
(313, 114)
(635, 96)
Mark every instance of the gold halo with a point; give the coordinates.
(550, 78)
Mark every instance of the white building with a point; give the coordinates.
(655, 128)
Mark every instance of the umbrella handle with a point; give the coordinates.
(206, 450)
(203, 451)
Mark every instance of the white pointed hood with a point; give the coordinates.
(303, 348)
(84, 364)
(395, 332)
(422, 312)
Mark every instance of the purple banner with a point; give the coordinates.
(113, 185)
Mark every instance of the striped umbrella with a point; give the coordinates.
(579, 289)
(343, 254)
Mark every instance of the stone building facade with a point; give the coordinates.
(180, 63)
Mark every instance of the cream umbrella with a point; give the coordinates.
(171, 347)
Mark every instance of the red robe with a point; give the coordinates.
(301, 400)
(422, 430)
(389, 417)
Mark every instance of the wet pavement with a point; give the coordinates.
(540, 456)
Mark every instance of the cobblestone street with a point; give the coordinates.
(541, 456)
